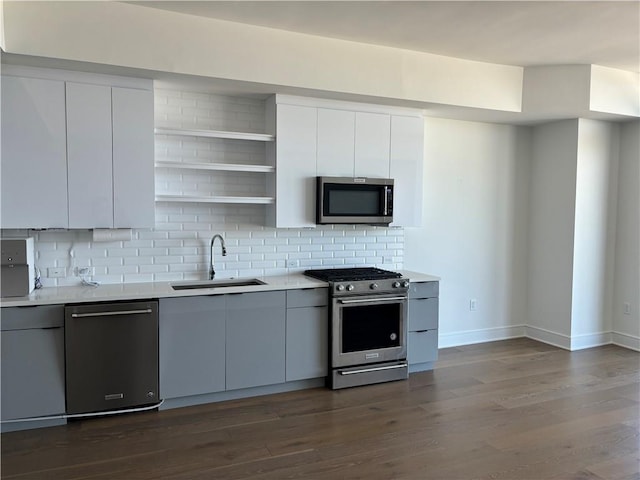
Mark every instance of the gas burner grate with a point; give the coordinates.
(351, 274)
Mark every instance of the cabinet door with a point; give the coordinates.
(422, 346)
(34, 154)
(133, 168)
(295, 167)
(372, 142)
(407, 153)
(307, 342)
(32, 373)
(192, 345)
(336, 138)
(89, 156)
(423, 314)
(255, 339)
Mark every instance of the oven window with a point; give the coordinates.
(369, 327)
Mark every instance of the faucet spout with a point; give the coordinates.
(212, 271)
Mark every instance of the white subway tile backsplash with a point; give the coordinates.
(178, 247)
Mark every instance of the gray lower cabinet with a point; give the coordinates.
(307, 334)
(32, 362)
(255, 350)
(192, 345)
(422, 338)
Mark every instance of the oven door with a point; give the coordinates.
(368, 329)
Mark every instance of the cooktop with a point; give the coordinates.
(351, 274)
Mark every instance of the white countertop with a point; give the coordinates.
(136, 291)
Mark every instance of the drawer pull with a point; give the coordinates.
(108, 314)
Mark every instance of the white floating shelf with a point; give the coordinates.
(260, 137)
(214, 199)
(225, 167)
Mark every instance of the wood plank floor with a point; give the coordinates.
(515, 409)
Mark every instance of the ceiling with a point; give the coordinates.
(522, 33)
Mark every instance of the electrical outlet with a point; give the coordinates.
(627, 308)
(292, 263)
(56, 272)
(84, 271)
(473, 304)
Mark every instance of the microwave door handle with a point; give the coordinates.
(386, 201)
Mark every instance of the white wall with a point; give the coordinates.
(2, 43)
(570, 91)
(626, 280)
(551, 230)
(595, 214)
(474, 227)
(558, 91)
(614, 91)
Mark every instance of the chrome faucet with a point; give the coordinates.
(212, 272)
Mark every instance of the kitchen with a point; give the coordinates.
(177, 248)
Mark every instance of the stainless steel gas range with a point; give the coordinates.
(368, 325)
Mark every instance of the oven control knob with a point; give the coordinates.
(373, 286)
(393, 336)
(396, 284)
(350, 288)
(340, 288)
(405, 284)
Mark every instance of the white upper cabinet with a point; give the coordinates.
(372, 139)
(317, 137)
(295, 178)
(133, 151)
(407, 153)
(89, 161)
(336, 140)
(34, 153)
(77, 150)
(353, 144)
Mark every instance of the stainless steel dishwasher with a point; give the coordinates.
(111, 353)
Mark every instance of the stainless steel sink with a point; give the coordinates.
(223, 283)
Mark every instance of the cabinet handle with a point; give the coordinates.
(373, 300)
(108, 314)
(420, 331)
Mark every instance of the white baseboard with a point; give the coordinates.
(547, 336)
(571, 343)
(470, 337)
(580, 342)
(624, 340)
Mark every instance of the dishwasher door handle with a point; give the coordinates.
(110, 313)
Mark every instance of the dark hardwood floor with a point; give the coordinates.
(515, 409)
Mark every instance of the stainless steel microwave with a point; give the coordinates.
(354, 200)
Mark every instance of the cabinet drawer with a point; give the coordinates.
(255, 300)
(43, 316)
(423, 314)
(422, 346)
(423, 289)
(180, 306)
(308, 297)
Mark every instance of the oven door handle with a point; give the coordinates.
(374, 369)
(373, 300)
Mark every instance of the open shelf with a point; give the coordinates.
(225, 167)
(259, 137)
(215, 199)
